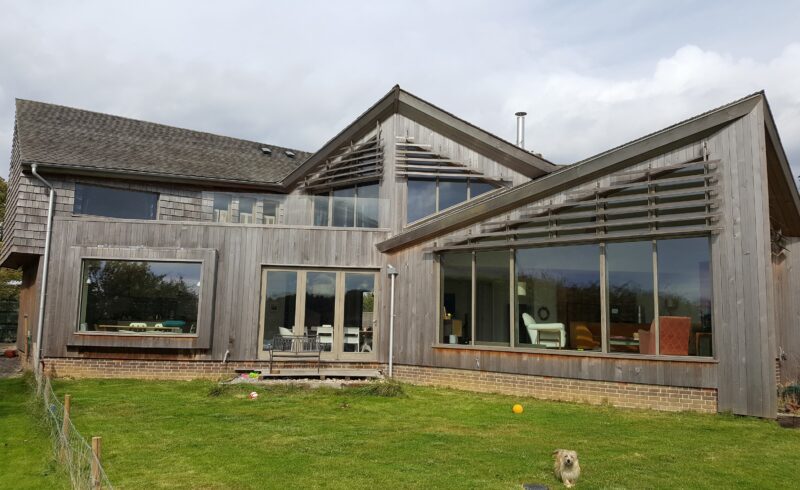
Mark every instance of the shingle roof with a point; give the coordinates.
(64, 136)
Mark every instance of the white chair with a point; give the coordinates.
(325, 336)
(285, 332)
(351, 337)
(551, 329)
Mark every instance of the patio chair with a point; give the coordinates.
(351, 335)
(325, 336)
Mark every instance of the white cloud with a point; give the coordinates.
(574, 116)
(295, 74)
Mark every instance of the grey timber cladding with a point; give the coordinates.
(74, 138)
(241, 251)
(578, 173)
(26, 213)
(786, 269)
(743, 279)
(744, 317)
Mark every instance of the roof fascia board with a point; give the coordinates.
(576, 174)
(150, 177)
(783, 160)
(473, 137)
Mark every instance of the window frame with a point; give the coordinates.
(76, 213)
(166, 261)
(259, 206)
(337, 352)
(329, 198)
(604, 304)
(201, 339)
(438, 209)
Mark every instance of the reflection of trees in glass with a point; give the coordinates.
(131, 291)
(369, 301)
(576, 296)
(626, 297)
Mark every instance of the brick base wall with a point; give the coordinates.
(171, 370)
(625, 395)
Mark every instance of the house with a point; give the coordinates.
(662, 273)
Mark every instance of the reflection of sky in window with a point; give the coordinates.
(421, 199)
(577, 265)
(281, 284)
(174, 271)
(683, 267)
(630, 264)
(359, 282)
(321, 283)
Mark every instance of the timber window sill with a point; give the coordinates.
(136, 341)
(557, 352)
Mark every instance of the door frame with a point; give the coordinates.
(337, 352)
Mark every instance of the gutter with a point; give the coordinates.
(155, 176)
(37, 355)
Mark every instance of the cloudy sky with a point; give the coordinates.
(591, 75)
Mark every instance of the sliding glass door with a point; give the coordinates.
(337, 307)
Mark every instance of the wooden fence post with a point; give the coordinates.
(65, 428)
(96, 446)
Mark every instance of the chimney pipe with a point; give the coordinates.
(521, 129)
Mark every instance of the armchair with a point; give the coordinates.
(552, 329)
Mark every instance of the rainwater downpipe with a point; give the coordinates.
(392, 274)
(43, 288)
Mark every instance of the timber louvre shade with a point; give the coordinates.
(653, 202)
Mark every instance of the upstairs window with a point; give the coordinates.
(348, 207)
(222, 208)
(427, 196)
(114, 203)
(247, 209)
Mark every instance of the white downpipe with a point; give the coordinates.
(37, 354)
(392, 274)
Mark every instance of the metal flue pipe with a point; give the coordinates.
(521, 129)
(37, 353)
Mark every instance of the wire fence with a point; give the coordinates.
(79, 458)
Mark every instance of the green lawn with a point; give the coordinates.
(175, 435)
(26, 455)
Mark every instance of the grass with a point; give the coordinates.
(26, 454)
(196, 435)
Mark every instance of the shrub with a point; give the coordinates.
(387, 389)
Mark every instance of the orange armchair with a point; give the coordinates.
(674, 336)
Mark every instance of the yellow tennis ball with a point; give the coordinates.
(517, 408)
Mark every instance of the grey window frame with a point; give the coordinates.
(604, 305)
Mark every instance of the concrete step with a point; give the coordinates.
(322, 374)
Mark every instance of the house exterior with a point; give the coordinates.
(662, 273)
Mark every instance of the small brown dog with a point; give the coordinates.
(566, 466)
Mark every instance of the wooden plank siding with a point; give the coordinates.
(786, 270)
(241, 253)
(754, 305)
(743, 283)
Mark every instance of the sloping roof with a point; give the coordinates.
(586, 170)
(60, 136)
(402, 102)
